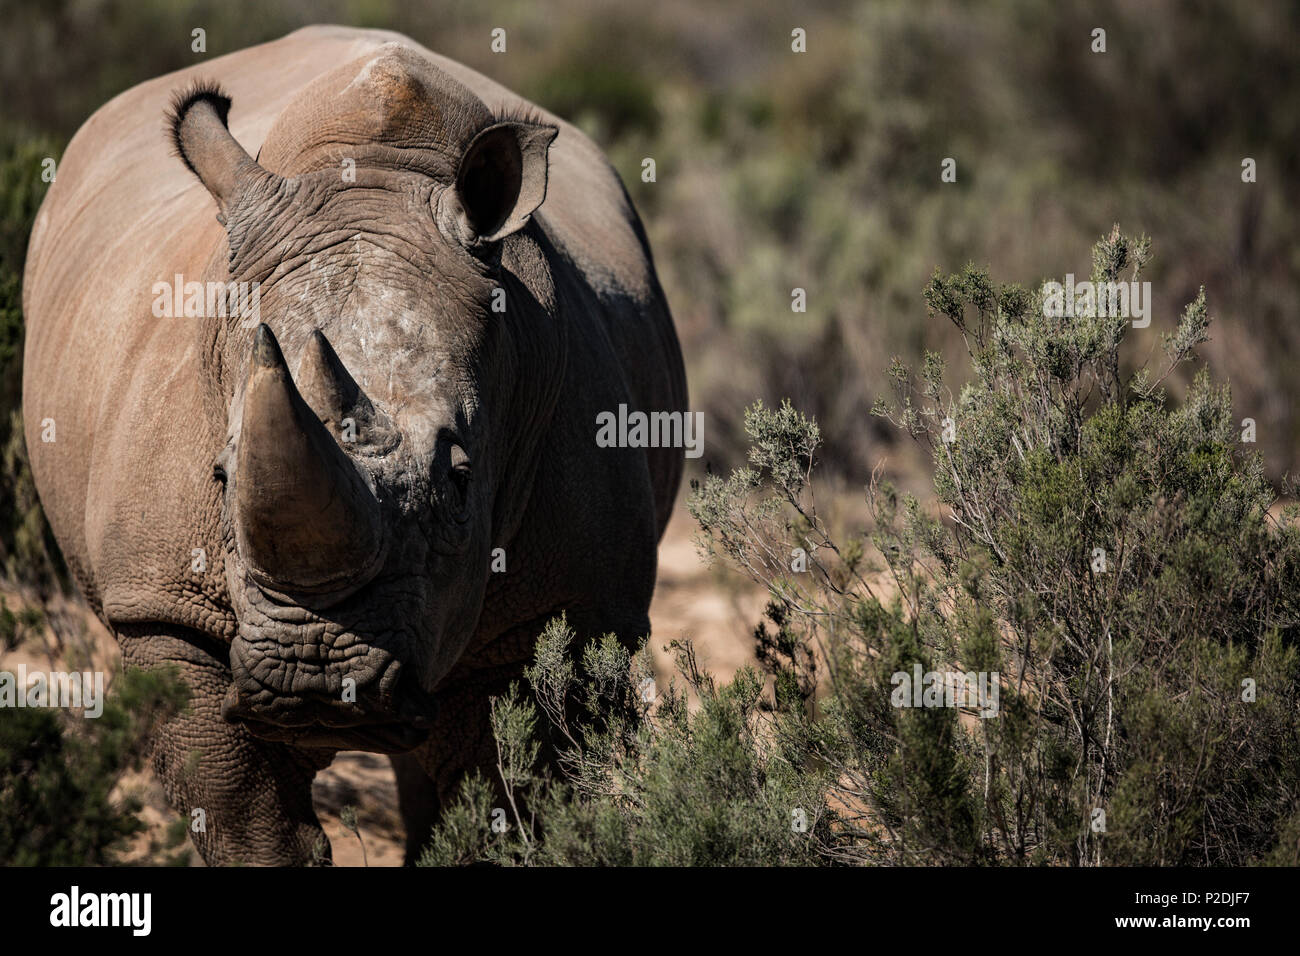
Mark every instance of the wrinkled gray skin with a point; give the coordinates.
(201, 481)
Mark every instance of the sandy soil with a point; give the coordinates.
(711, 606)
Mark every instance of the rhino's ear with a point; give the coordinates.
(502, 178)
(197, 124)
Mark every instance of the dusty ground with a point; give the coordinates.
(714, 608)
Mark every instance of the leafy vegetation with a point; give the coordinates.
(637, 785)
(1110, 557)
(58, 774)
(28, 553)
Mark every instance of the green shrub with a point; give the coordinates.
(633, 785)
(14, 627)
(1117, 555)
(1109, 558)
(56, 780)
(28, 553)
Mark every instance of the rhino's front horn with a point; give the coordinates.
(305, 519)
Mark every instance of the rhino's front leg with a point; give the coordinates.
(255, 796)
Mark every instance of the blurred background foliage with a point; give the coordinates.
(819, 171)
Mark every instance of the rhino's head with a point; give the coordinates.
(376, 419)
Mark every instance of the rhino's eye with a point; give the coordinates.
(459, 474)
(221, 467)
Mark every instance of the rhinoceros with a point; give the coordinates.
(345, 514)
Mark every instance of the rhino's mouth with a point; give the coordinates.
(305, 722)
(390, 714)
(378, 737)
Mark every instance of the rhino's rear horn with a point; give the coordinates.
(196, 121)
(324, 382)
(338, 400)
(305, 519)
